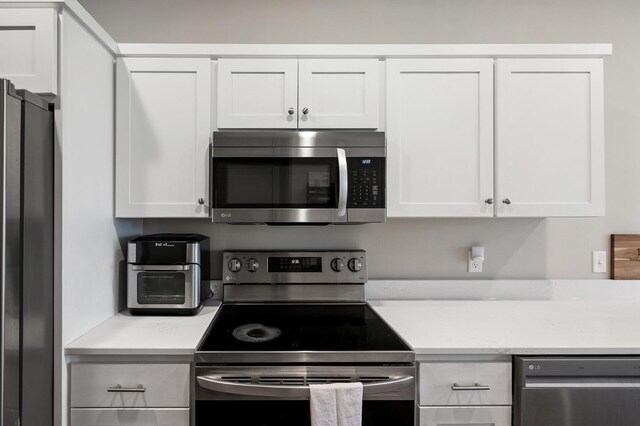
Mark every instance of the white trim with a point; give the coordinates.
(364, 50)
(91, 25)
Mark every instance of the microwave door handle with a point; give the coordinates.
(300, 391)
(160, 267)
(343, 187)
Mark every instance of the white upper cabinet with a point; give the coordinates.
(549, 137)
(466, 137)
(162, 137)
(29, 49)
(290, 94)
(338, 94)
(439, 137)
(257, 93)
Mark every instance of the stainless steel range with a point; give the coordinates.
(291, 319)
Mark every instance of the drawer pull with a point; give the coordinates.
(476, 387)
(119, 388)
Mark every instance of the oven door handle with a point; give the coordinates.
(160, 267)
(282, 391)
(343, 186)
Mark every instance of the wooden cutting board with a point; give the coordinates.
(625, 257)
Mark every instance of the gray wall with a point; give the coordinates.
(427, 248)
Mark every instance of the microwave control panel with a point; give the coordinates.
(366, 182)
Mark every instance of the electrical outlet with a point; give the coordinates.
(474, 265)
(599, 261)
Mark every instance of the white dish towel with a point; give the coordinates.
(336, 404)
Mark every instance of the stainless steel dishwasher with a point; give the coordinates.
(577, 391)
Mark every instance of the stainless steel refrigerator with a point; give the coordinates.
(26, 258)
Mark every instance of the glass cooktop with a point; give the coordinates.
(300, 327)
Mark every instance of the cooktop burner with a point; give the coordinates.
(300, 327)
(255, 333)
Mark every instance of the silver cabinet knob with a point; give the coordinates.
(489, 201)
(201, 201)
(252, 265)
(234, 265)
(355, 264)
(506, 201)
(305, 111)
(291, 111)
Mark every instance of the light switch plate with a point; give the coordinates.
(599, 262)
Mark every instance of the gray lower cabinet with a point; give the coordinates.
(129, 417)
(459, 391)
(108, 391)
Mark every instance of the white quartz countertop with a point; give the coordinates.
(125, 334)
(552, 327)
(515, 327)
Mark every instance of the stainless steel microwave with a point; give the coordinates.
(306, 177)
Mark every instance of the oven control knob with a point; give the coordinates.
(252, 265)
(355, 264)
(337, 264)
(234, 265)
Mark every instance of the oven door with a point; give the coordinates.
(163, 287)
(279, 185)
(270, 396)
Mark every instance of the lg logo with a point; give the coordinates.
(534, 367)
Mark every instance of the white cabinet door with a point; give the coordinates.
(460, 416)
(29, 49)
(439, 137)
(162, 137)
(549, 137)
(130, 417)
(257, 93)
(338, 93)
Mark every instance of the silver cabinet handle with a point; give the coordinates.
(506, 201)
(291, 111)
(305, 111)
(160, 267)
(489, 201)
(476, 387)
(343, 187)
(201, 201)
(119, 388)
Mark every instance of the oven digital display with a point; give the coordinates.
(295, 264)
